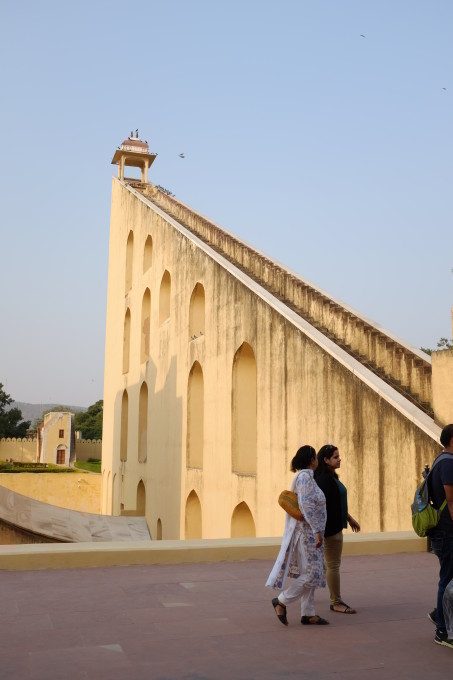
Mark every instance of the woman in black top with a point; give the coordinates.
(338, 519)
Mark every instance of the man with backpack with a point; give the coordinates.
(440, 484)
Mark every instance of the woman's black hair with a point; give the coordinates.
(303, 458)
(324, 452)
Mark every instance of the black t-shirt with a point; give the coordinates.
(441, 474)
(329, 487)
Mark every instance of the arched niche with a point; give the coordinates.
(143, 423)
(109, 492)
(164, 297)
(244, 412)
(195, 417)
(145, 326)
(126, 340)
(159, 530)
(197, 312)
(129, 261)
(124, 425)
(114, 493)
(147, 254)
(242, 524)
(193, 528)
(141, 500)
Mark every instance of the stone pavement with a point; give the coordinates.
(215, 622)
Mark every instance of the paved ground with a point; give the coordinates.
(215, 622)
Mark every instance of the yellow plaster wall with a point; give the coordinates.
(88, 448)
(21, 450)
(442, 362)
(73, 490)
(404, 365)
(303, 396)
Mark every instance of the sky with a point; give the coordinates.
(318, 131)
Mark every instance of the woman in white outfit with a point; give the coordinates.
(301, 556)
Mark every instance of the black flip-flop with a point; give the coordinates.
(281, 617)
(314, 620)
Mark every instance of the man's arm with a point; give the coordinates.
(449, 498)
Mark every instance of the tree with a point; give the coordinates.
(11, 421)
(90, 421)
(443, 343)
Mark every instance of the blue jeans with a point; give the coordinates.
(442, 547)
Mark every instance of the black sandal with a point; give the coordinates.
(281, 617)
(314, 620)
(348, 610)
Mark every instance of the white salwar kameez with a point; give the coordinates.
(299, 558)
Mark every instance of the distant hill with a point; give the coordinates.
(33, 411)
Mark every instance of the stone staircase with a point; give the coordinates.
(405, 368)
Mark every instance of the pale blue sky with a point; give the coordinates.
(329, 151)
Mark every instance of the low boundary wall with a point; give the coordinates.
(23, 450)
(70, 556)
(26, 450)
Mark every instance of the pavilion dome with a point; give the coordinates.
(136, 143)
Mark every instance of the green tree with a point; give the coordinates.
(90, 421)
(443, 343)
(11, 421)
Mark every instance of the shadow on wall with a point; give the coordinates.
(147, 451)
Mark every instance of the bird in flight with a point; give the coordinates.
(182, 155)
(362, 36)
(445, 89)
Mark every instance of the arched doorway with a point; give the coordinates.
(242, 524)
(193, 523)
(124, 425)
(244, 412)
(143, 423)
(141, 500)
(145, 326)
(159, 530)
(164, 297)
(147, 254)
(195, 417)
(129, 261)
(126, 340)
(197, 312)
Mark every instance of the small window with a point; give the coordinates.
(60, 456)
(61, 434)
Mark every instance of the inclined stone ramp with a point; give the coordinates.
(398, 373)
(405, 368)
(55, 524)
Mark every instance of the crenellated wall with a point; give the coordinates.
(26, 450)
(88, 448)
(407, 369)
(23, 450)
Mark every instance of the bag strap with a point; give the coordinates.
(441, 456)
